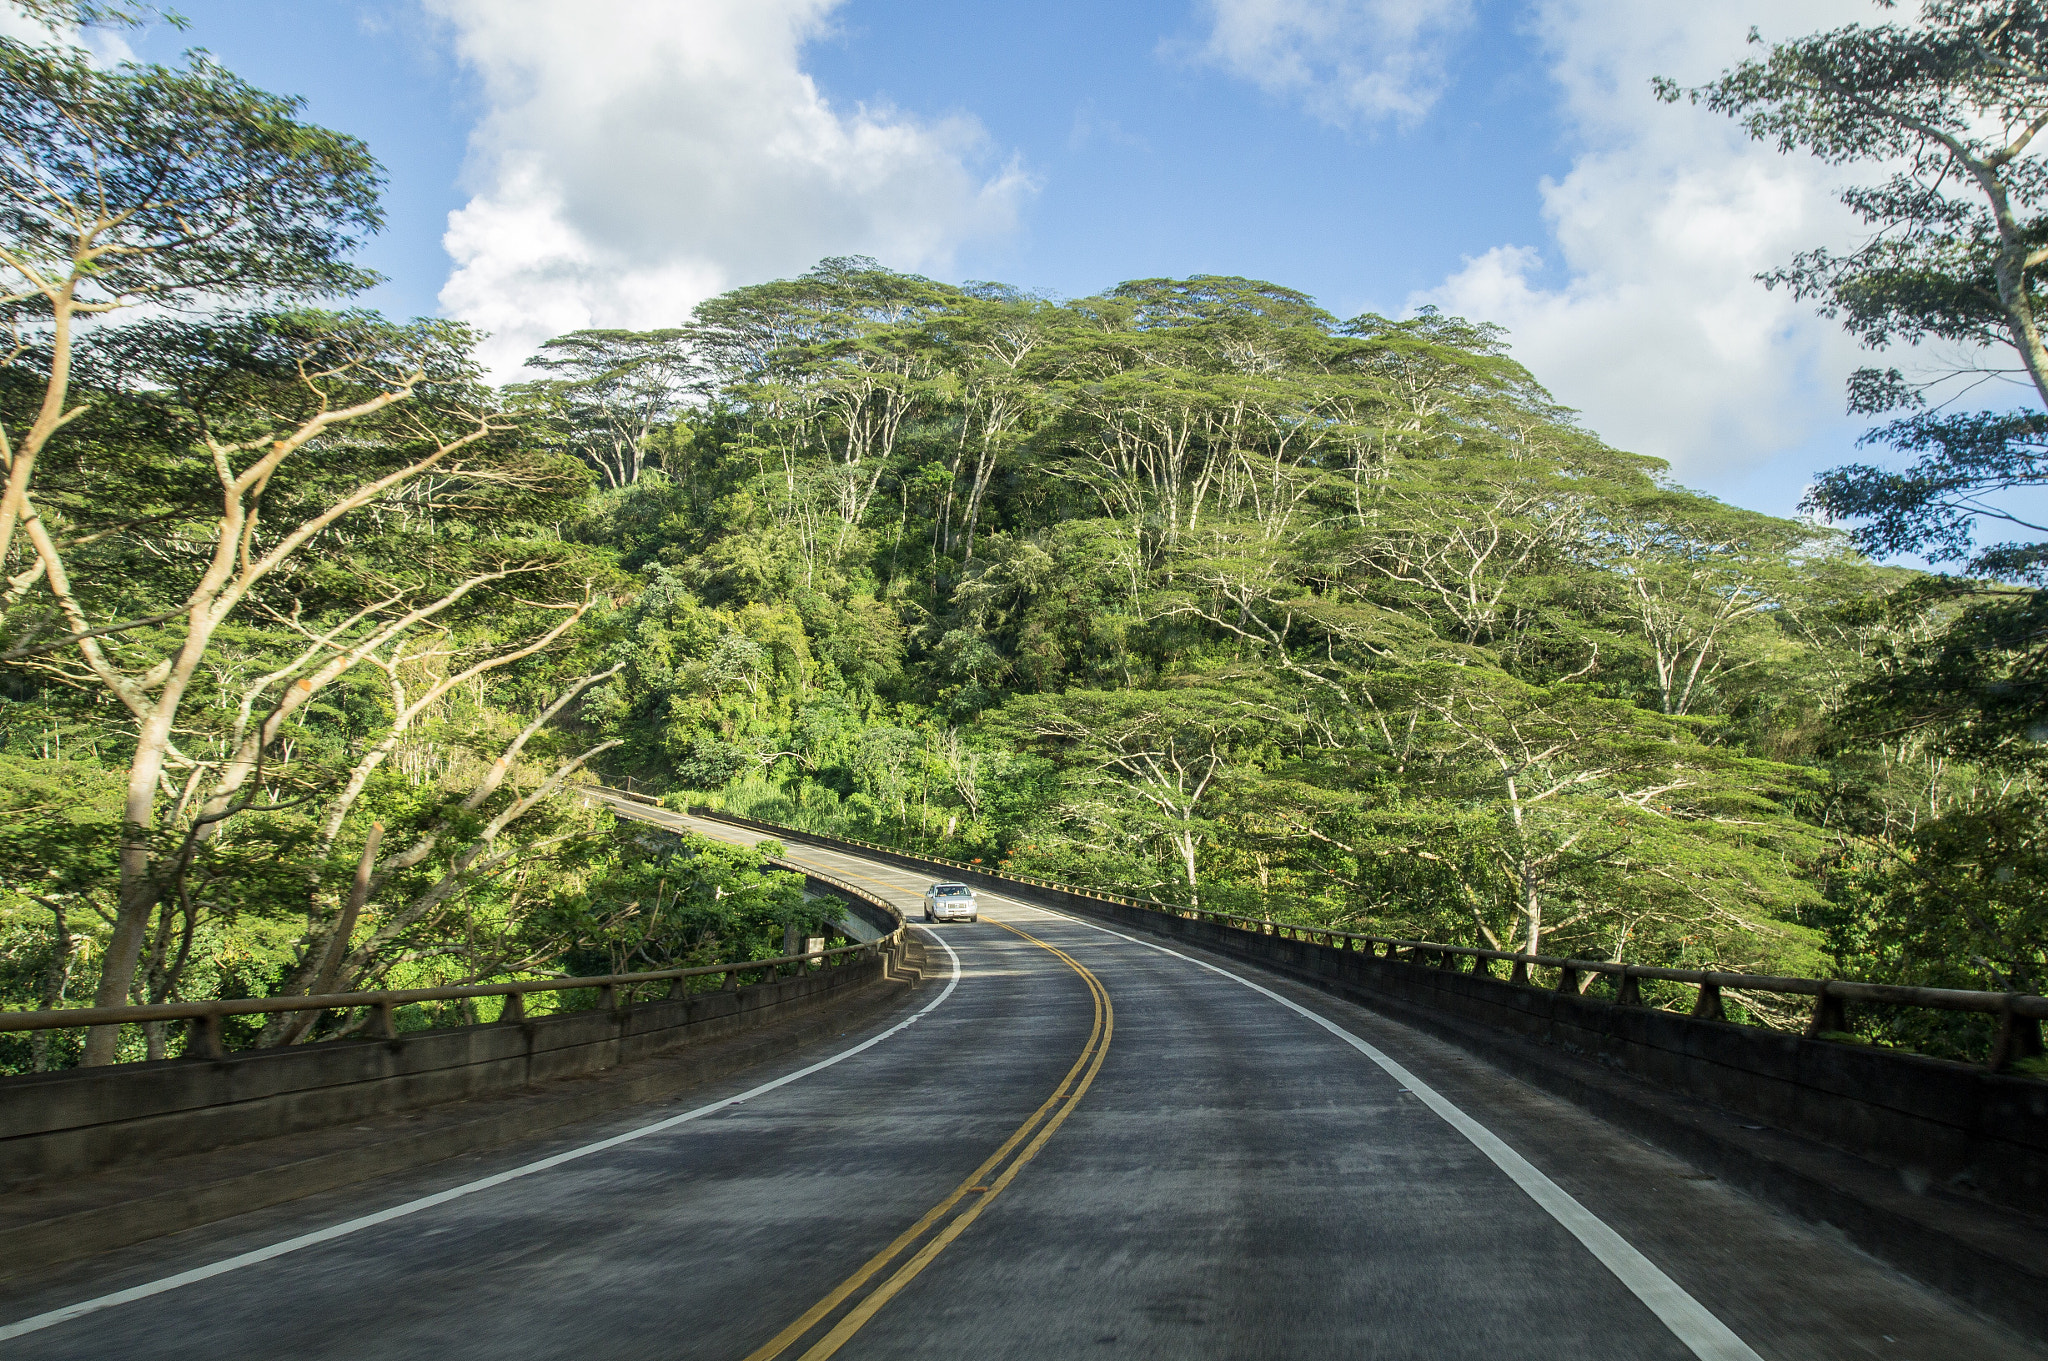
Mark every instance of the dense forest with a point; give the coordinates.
(1188, 588)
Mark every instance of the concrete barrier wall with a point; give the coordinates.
(1959, 1126)
(90, 1119)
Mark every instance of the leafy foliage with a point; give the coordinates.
(1345, 621)
(1188, 588)
(1948, 112)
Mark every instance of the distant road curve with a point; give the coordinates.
(1085, 1143)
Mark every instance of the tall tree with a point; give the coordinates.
(146, 184)
(310, 425)
(1953, 107)
(993, 338)
(1153, 757)
(1702, 582)
(608, 392)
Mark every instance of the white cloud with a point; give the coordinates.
(1342, 58)
(107, 46)
(14, 24)
(638, 156)
(1659, 332)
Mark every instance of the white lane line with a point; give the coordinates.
(1688, 1319)
(38, 1322)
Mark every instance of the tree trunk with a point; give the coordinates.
(331, 948)
(1184, 842)
(1532, 911)
(140, 891)
(55, 977)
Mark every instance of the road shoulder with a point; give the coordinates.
(1750, 1259)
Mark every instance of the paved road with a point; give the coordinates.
(1072, 1143)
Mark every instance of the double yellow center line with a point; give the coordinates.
(948, 1219)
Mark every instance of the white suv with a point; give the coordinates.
(950, 902)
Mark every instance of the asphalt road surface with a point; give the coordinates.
(1069, 1143)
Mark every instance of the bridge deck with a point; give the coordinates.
(1089, 1145)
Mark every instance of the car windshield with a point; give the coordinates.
(949, 891)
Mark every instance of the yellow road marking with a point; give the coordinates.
(977, 1184)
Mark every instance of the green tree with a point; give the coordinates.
(1952, 107)
(1703, 583)
(145, 184)
(1623, 813)
(608, 393)
(313, 427)
(1152, 758)
(1949, 111)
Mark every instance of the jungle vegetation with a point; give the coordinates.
(1189, 588)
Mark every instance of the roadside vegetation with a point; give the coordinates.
(1188, 588)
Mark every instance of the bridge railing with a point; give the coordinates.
(2019, 1013)
(203, 1018)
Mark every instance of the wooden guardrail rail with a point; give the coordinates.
(203, 1018)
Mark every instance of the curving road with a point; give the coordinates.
(1071, 1142)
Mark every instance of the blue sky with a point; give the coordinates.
(609, 165)
(1152, 165)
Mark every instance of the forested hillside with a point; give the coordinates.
(1189, 588)
(1192, 588)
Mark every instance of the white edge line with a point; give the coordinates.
(38, 1322)
(1688, 1319)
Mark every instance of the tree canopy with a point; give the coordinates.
(1946, 112)
(311, 638)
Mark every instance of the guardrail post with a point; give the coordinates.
(202, 1038)
(383, 1023)
(2019, 1037)
(1520, 973)
(1482, 967)
(1708, 1007)
(515, 1009)
(607, 998)
(678, 989)
(1567, 979)
(1828, 1015)
(732, 981)
(1629, 992)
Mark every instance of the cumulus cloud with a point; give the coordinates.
(1344, 59)
(636, 157)
(107, 46)
(14, 24)
(1658, 330)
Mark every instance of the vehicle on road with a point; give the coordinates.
(951, 903)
